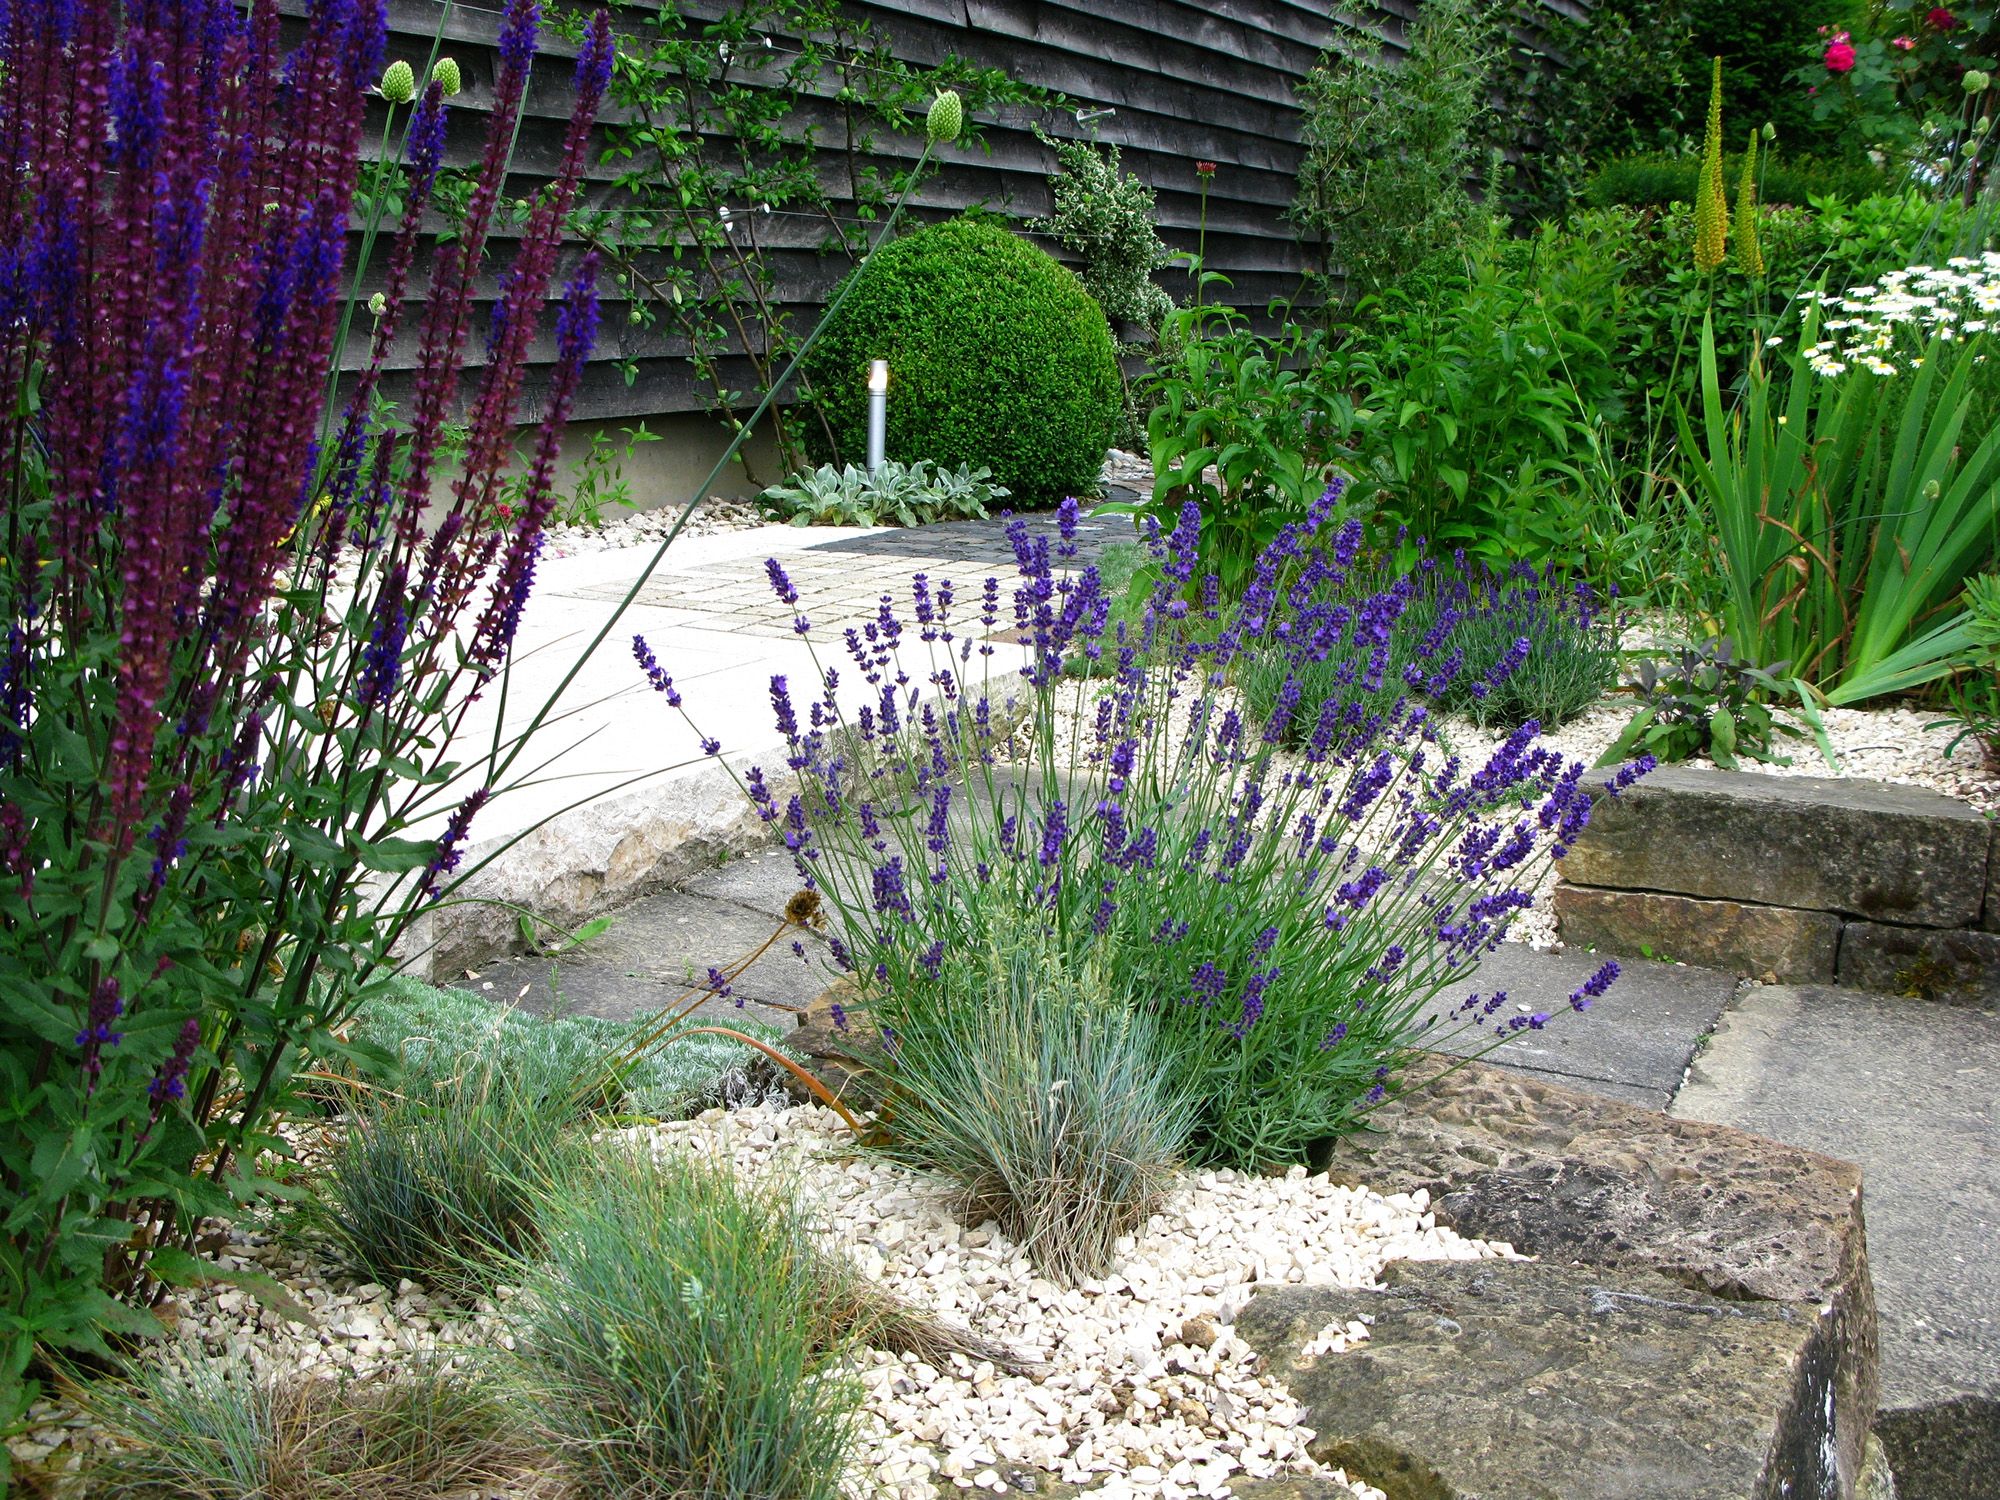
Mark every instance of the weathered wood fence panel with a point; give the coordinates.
(1186, 81)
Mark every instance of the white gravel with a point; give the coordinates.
(1144, 1390)
(648, 528)
(1141, 1391)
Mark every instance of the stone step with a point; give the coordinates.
(1858, 848)
(1911, 1093)
(1633, 1044)
(1697, 1323)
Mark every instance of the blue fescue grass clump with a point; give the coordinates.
(438, 1186)
(1296, 899)
(433, 1032)
(1042, 1093)
(672, 1336)
(200, 1432)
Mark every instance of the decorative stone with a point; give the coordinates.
(1924, 963)
(1864, 848)
(1508, 1379)
(843, 1058)
(1633, 1195)
(1791, 945)
(591, 860)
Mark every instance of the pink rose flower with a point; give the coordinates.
(1839, 58)
(1905, 42)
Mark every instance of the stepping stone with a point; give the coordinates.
(1633, 1044)
(1911, 1091)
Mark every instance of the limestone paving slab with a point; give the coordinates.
(1792, 946)
(1524, 1381)
(1911, 1092)
(1633, 1044)
(1953, 965)
(654, 952)
(1638, 1205)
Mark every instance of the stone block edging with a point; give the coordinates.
(1698, 1321)
(1800, 880)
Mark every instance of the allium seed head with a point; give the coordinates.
(946, 118)
(399, 83)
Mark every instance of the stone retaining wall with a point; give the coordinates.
(1795, 879)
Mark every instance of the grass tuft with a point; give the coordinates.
(441, 1187)
(673, 1339)
(1042, 1094)
(195, 1433)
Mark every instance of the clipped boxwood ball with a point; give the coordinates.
(997, 356)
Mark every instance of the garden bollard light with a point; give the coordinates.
(878, 413)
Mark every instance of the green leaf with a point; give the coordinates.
(1722, 738)
(394, 856)
(176, 1267)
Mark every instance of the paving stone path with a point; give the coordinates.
(840, 580)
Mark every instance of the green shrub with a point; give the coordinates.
(1656, 179)
(1107, 217)
(1760, 46)
(1706, 702)
(1601, 84)
(436, 1188)
(1389, 147)
(997, 356)
(1028, 1079)
(672, 1338)
(196, 1433)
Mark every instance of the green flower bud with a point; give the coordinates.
(1975, 81)
(378, 304)
(444, 73)
(399, 83)
(1983, 124)
(1770, 131)
(1933, 490)
(946, 118)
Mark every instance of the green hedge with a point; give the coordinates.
(1653, 181)
(997, 356)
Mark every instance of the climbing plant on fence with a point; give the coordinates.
(730, 136)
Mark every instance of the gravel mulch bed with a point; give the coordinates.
(1137, 1388)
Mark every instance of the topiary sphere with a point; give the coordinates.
(997, 356)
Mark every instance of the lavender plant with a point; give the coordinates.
(235, 654)
(1293, 921)
(1497, 648)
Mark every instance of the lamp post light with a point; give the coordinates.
(878, 413)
